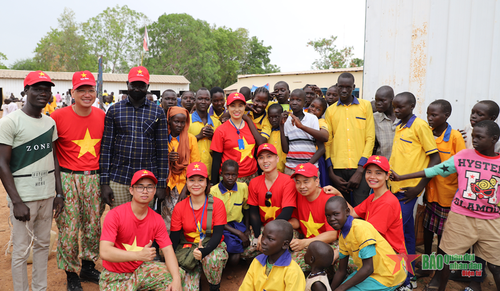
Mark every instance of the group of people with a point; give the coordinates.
(318, 191)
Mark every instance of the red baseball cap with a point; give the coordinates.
(266, 147)
(37, 77)
(138, 74)
(234, 97)
(380, 161)
(197, 168)
(143, 174)
(306, 170)
(83, 78)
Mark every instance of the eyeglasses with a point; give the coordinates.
(81, 91)
(269, 195)
(141, 188)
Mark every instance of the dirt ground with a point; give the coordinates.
(231, 280)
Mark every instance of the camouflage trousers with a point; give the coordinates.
(213, 265)
(251, 251)
(149, 276)
(81, 214)
(168, 207)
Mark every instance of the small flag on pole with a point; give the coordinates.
(146, 40)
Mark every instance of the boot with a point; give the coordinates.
(214, 287)
(89, 272)
(73, 282)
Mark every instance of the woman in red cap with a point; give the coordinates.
(199, 221)
(236, 140)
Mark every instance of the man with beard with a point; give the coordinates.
(135, 137)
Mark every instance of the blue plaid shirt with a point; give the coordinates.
(134, 139)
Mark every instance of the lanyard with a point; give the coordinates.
(202, 235)
(237, 129)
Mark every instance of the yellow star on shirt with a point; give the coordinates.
(84, 75)
(312, 227)
(87, 144)
(133, 247)
(247, 151)
(270, 211)
(196, 234)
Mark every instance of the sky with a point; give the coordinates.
(287, 26)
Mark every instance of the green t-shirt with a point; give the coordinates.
(32, 160)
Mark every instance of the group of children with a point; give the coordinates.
(249, 178)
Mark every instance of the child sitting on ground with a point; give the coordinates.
(319, 257)
(474, 217)
(371, 253)
(274, 269)
(234, 195)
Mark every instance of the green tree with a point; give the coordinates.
(257, 59)
(357, 62)
(3, 58)
(28, 64)
(115, 34)
(63, 48)
(330, 56)
(182, 45)
(230, 49)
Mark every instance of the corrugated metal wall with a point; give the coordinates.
(439, 49)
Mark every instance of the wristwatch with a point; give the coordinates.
(60, 196)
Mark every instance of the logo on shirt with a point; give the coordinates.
(484, 188)
(87, 144)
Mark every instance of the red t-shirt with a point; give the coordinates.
(128, 233)
(225, 141)
(283, 196)
(183, 218)
(311, 215)
(79, 144)
(385, 215)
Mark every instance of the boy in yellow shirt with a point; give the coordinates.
(275, 269)
(274, 115)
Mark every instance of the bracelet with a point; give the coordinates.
(60, 196)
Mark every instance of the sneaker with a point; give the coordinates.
(74, 283)
(89, 272)
(413, 282)
(405, 288)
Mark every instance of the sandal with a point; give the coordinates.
(429, 287)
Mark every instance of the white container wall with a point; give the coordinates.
(440, 49)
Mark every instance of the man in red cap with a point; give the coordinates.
(30, 175)
(80, 128)
(309, 216)
(126, 242)
(135, 137)
(270, 196)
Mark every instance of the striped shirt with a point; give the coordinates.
(134, 139)
(301, 145)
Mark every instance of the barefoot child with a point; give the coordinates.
(319, 257)
(474, 217)
(274, 269)
(234, 195)
(369, 250)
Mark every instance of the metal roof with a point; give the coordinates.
(354, 69)
(67, 76)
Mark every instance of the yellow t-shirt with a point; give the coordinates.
(262, 124)
(173, 145)
(413, 143)
(357, 234)
(195, 127)
(441, 189)
(351, 134)
(275, 140)
(235, 199)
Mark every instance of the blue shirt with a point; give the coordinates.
(134, 139)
